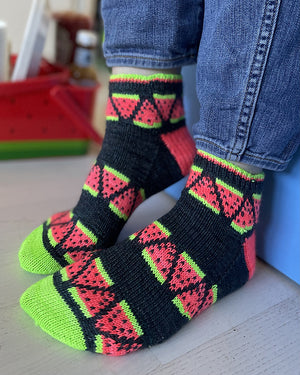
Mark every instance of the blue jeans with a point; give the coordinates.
(248, 67)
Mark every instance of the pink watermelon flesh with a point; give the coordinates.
(150, 233)
(112, 347)
(95, 300)
(205, 189)
(111, 183)
(178, 110)
(77, 239)
(164, 106)
(163, 256)
(245, 218)
(110, 111)
(93, 178)
(91, 276)
(256, 208)
(147, 114)
(125, 106)
(125, 201)
(192, 300)
(230, 201)
(192, 177)
(117, 322)
(74, 269)
(59, 231)
(184, 275)
(60, 217)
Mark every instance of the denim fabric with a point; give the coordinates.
(248, 67)
(151, 34)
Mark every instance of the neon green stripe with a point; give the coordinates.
(155, 125)
(103, 272)
(80, 303)
(196, 169)
(68, 258)
(98, 344)
(125, 96)
(64, 275)
(147, 78)
(71, 214)
(153, 267)
(240, 229)
(117, 211)
(193, 264)
(259, 176)
(158, 96)
(180, 307)
(132, 236)
(48, 222)
(175, 120)
(257, 196)
(215, 292)
(87, 232)
(215, 210)
(90, 190)
(112, 118)
(31, 148)
(228, 187)
(162, 228)
(143, 195)
(131, 317)
(51, 238)
(120, 175)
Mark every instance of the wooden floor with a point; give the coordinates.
(256, 330)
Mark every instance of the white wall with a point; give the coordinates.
(15, 13)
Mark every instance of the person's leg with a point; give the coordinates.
(141, 291)
(146, 146)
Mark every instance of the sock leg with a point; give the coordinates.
(141, 291)
(146, 148)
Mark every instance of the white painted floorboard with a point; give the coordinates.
(256, 330)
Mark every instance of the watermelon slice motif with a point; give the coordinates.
(122, 205)
(125, 104)
(230, 197)
(154, 231)
(121, 321)
(256, 200)
(244, 221)
(164, 104)
(147, 116)
(80, 237)
(110, 113)
(109, 346)
(193, 302)
(194, 175)
(113, 181)
(205, 192)
(186, 273)
(177, 112)
(92, 182)
(60, 226)
(160, 257)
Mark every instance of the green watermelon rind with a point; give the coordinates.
(180, 307)
(116, 211)
(131, 318)
(90, 190)
(153, 267)
(74, 293)
(202, 200)
(155, 125)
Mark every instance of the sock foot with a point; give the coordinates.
(146, 148)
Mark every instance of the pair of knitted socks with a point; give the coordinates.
(116, 299)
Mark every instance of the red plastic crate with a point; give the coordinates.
(45, 115)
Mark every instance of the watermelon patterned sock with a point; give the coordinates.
(146, 148)
(141, 291)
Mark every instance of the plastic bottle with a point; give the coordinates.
(82, 70)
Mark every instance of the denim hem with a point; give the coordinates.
(270, 163)
(151, 62)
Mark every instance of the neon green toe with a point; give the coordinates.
(34, 257)
(45, 306)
